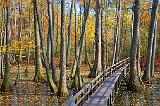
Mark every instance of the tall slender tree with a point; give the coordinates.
(75, 27)
(154, 50)
(76, 75)
(1, 42)
(103, 42)
(134, 80)
(46, 64)
(38, 62)
(6, 80)
(51, 34)
(117, 38)
(97, 62)
(147, 71)
(69, 34)
(80, 46)
(62, 90)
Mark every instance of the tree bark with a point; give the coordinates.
(69, 36)
(62, 90)
(38, 63)
(80, 46)
(77, 78)
(46, 64)
(154, 50)
(1, 43)
(6, 80)
(116, 53)
(147, 71)
(134, 80)
(103, 43)
(75, 28)
(51, 34)
(97, 62)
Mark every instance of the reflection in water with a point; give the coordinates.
(148, 97)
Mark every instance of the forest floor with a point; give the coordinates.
(150, 96)
(27, 92)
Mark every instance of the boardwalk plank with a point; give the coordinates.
(101, 96)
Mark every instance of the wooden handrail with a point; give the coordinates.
(88, 89)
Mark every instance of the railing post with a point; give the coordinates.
(111, 69)
(91, 88)
(104, 76)
(87, 94)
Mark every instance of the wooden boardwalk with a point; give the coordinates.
(106, 92)
(102, 90)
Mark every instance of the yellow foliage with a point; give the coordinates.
(146, 4)
(111, 22)
(145, 16)
(90, 30)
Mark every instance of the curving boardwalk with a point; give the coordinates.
(102, 90)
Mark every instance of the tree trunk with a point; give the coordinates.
(6, 80)
(29, 50)
(97, 61)
(103, 43)
(62, 90)
(134, 80)
(57, 32)
(51, 34)
(106, 38)
(69, 36)
(46, 64)
(20, 30)
(117, 36)
(79, 49)
(77, 79)
(48, 52)
(147, 74)
(1, 43)
(153, 50)
(138, 59)
(75, 28)
(38, 63)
